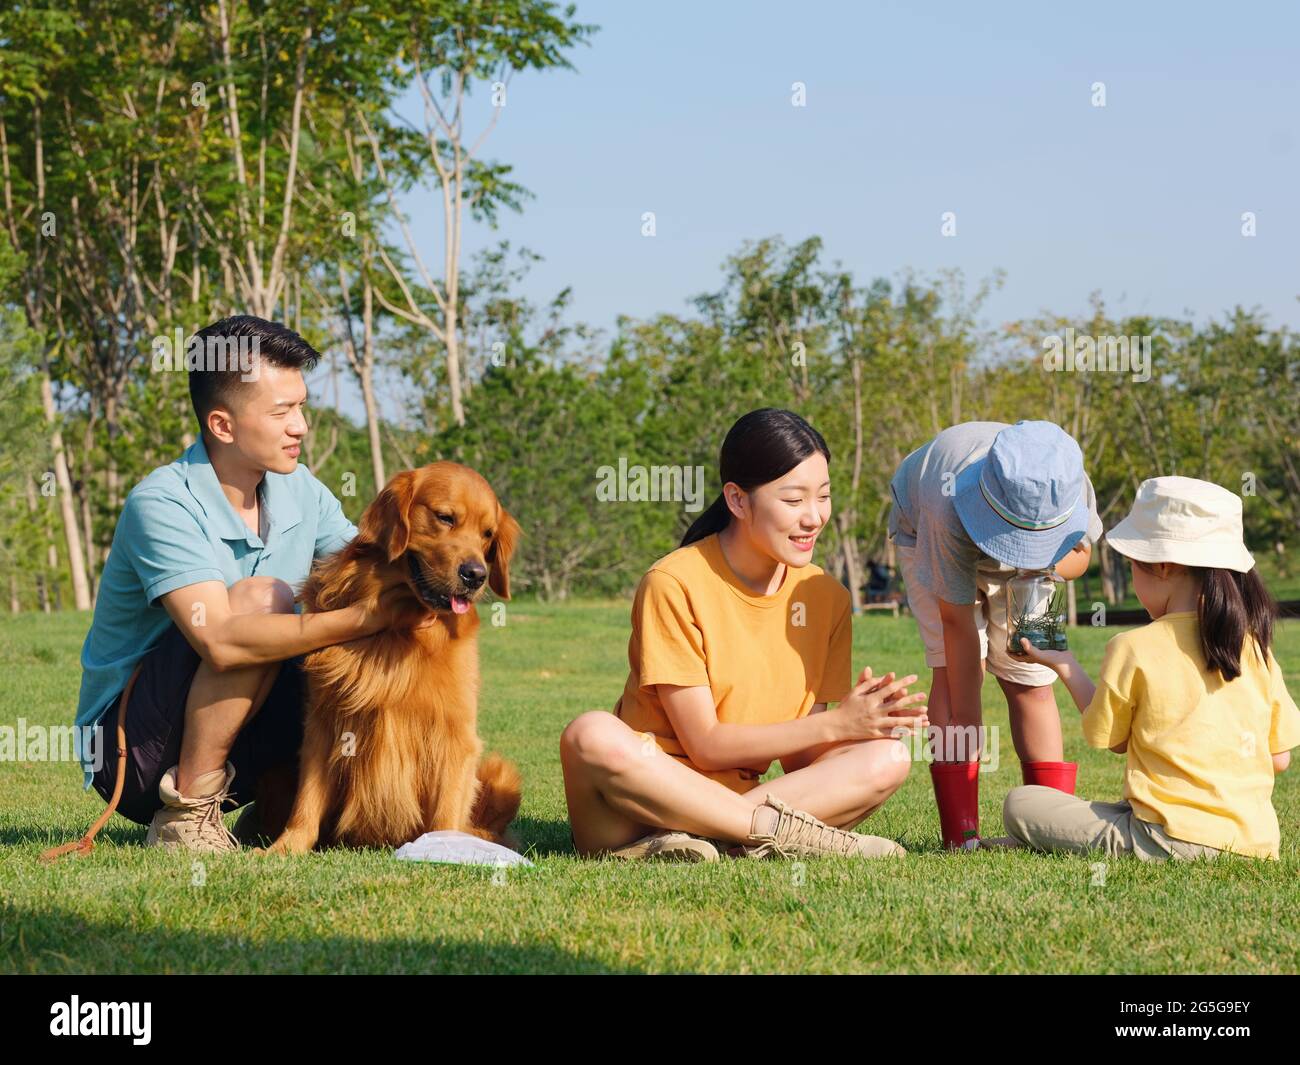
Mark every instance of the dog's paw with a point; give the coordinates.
(286, 845)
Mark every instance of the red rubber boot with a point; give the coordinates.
(957, 792)
(1058, 775)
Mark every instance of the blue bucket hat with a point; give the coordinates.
(1023, 503)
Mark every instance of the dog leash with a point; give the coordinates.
(87, 842)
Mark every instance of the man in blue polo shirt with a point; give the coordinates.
(197, 600)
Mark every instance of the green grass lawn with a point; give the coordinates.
(128, 909)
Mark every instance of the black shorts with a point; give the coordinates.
(155, 720)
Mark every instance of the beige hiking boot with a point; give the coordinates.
(193, 822)
(779, 830)
(667, 846)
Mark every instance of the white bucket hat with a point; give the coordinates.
(1183, 520)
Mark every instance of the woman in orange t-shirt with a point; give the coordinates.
(738, 645)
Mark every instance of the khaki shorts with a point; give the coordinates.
(1050, 820)
(990, 619)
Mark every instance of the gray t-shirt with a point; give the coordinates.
(924, 516)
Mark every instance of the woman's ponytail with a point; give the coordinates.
(713, 520)
(1233, 605)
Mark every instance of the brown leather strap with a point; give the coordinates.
(87, 842)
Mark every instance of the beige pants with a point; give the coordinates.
(990, 611)
(1050, 820)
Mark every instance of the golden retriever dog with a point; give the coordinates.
(391, 747)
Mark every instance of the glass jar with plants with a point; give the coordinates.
(1036, 610)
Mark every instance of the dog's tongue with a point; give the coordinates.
(459, 604)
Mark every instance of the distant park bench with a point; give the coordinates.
(892, 606)
(884, 595)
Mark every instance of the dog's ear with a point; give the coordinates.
(387, 521)
(498, 556)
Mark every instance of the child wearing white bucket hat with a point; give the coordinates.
(1195, 699)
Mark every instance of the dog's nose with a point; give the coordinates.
(473, 574)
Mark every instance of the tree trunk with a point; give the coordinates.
(88, 537)
(63, 484)
(367, 377)
(1114, 585)
(87, 511)
(372, 429)
(453, 361)
(852, 564)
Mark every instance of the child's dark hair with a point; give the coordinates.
(763, 445)
(1232, 605)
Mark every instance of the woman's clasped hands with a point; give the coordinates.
(880, 708)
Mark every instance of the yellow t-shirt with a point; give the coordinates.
(1199, 748)
(766, 658)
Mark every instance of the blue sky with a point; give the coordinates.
(913, 110)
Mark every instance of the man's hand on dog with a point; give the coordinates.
(398, 608)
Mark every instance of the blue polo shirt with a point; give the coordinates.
(178, 528)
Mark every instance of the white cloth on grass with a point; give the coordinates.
(458, 848)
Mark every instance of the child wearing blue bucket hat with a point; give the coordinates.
(971, 507)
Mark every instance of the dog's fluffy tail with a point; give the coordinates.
(499, 792)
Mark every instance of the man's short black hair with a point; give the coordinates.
(217, 381)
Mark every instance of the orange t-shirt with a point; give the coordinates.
(766, 658)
